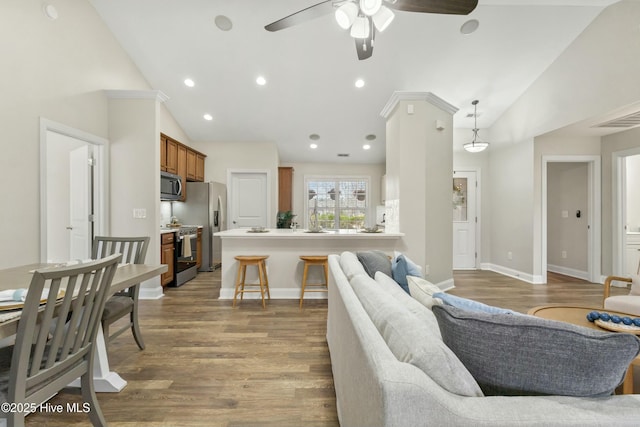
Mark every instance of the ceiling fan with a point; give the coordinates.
(364, 17)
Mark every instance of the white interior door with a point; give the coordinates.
(464, 220)
(79, 203)
(249, 200)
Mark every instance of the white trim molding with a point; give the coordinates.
(398, 96)
(506, 271)
(158, 95)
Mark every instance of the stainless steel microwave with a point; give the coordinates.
(170, 186)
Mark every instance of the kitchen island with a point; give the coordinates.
(284, 247)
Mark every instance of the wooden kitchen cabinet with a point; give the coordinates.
(285, 189)
(182, 169)
(163, 153)
(172, 156)
(200, 167)
(167, 257)
(199, 249)
(191, 165)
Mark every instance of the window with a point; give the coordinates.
(336, 203)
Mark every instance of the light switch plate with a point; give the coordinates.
(139, 213)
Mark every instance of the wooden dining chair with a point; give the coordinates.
(55, 338)
(121, 304)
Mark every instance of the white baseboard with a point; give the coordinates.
(446, 285)
(525, 277)
(568, 271)
(150, 293)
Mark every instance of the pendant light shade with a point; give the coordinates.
(370, 7)
(475, 146)
(360, 28)
(346, 14)
(383, 18)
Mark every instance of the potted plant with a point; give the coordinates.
(284, 219)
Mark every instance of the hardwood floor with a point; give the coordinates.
(206, 364)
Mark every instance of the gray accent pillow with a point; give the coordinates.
(374, 261)
(412, 341)
(527, 355)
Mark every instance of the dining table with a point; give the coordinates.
(104, 379)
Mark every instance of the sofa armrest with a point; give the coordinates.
(607, 285)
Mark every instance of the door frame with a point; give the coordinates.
(594, 196)
(618, 206)
(230, 175)
(478, 210)
(101, 177)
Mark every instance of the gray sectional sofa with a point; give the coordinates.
(374, 388)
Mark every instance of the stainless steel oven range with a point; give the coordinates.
(185, 254)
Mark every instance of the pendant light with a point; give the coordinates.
(358, 15)
(475, 146)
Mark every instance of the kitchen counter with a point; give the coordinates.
(284, 247)
(280, 233)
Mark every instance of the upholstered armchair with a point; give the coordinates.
(629, 303)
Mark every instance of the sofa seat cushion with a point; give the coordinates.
(420, 311)
(412, 341)
(625, 303)
(527, 355)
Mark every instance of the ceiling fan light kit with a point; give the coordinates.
(361, 15)
(475, 146)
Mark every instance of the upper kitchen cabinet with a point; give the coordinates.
(285, 189)
(182, 169)
(180, 159)
(168, 154)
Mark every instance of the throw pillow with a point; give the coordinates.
(469, 304)
(527, 355)
(422, 290)
(400, 271)
(374, 261)
(415, 307)
(412, 341)
(412, 267)
(350, 265)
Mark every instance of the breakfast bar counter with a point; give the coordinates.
(284, 248)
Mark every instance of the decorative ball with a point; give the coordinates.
(615, 318)
(636, 321)
(594, 315)
(605, 316)
(627, 320)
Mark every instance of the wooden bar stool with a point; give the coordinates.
(310, 260)
(259, 262)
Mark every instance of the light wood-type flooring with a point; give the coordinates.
(206, 364)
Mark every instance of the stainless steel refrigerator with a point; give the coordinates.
(206, 205)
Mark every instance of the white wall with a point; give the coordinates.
(57, 70)
(300, 170)
(222, 156)
(633, 201)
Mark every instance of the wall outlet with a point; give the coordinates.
(139, 213)
(426, 270)
(565, 214)
(509, 255)
(564, 254)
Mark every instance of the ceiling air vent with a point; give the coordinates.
(343, 154)
(628, 121)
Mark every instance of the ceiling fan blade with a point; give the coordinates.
(315, 11)
(452, 7)
(364, 47)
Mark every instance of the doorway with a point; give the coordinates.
(466, 225)
(626, 213)
(587, 218)
(249, 199)
(72, 192)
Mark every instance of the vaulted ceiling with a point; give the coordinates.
(311, 68)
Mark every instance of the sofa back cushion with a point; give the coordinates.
(411, 340)
(525, 355)
(374, 261)
(350, 265)
(423, 314)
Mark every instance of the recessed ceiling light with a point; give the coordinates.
(313, 146)
(359, 83)
(261, 81)
(314, 137)
(370, 137)
(223, 23)
(189, 83)
(366, 146)
(50, 11)
(208, 117)
(470, 26)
